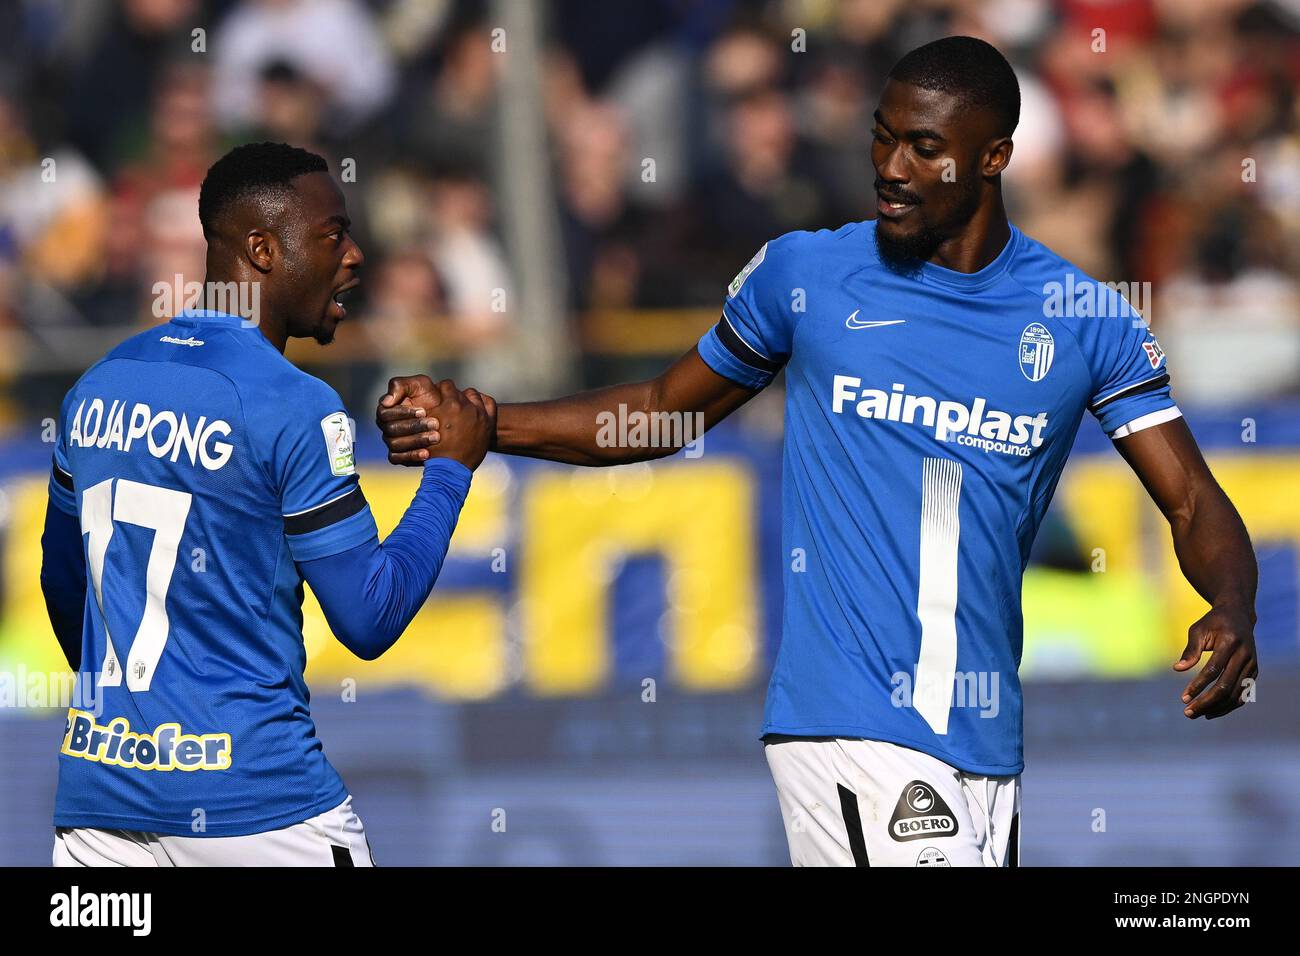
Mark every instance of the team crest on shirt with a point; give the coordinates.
(750, 266)
(1036, 351)
(921, 814)
(338, 444)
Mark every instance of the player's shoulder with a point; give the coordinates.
(277, 396)
(1035, 265)
(1066, 292)
(287, 409)
(108, 367)
(273, 374)
(801, 242)
(138, 346)
(227, 350)
(799, 252)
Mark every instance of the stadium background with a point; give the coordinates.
(553, 196)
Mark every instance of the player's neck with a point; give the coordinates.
(277, 336)
(983, 239)
(262, 317)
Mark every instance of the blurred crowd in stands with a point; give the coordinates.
(1159, 142)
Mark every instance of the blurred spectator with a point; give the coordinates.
(406, 308)
(767, 186)
(597, 218)
(1231, 320)
(290, 105)
(450, 123)
(468, 260)
(111, 88)
(334, 42)
(52, 207)
(834, 111)
(155, 234)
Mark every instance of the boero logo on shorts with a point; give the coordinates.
(920, 814)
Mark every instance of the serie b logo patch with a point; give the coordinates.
(338, 444)
(1155, 354)
(750, 266)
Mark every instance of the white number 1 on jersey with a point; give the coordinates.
(147, 506)
(936, 600)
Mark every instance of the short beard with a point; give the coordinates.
(906, 255)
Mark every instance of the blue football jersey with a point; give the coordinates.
(928, 417)
(202, 465)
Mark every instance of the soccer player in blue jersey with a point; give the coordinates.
(935, 380)
(199, 479)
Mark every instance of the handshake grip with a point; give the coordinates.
(421, 420)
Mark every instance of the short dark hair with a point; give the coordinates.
(969, 69)
(266, 168)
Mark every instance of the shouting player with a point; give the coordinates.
(199, 478)
(936, 376)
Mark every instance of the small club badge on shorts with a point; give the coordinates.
(932, 857)
(921, 814)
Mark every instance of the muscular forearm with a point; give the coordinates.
(1215, 555)
(1210, 539)
(623, 423)
(610, 426)
(1214, 551)
(570, 429)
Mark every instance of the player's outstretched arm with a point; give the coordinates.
(563, 429)
(1216, 557)
(371, 592)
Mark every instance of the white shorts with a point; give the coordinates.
(870, 803)
(333, 838)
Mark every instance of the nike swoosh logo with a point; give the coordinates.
(853, 322)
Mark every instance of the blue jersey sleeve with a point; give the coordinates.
(370, 593)
(313, 467)
(752, 340)
(1130, 378)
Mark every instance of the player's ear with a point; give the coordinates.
(997, 156)
(261, 249)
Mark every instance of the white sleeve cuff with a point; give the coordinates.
(1146, 421)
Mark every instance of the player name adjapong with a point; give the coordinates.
(976, 424)
(164, 434)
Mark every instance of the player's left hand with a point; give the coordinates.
(1219, 688)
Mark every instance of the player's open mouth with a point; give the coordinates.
(891, 209)
(337, 312)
